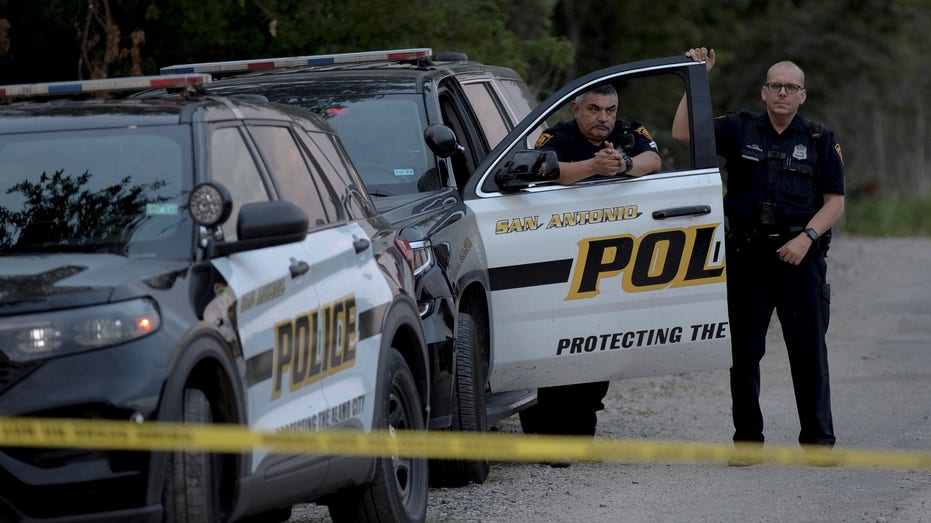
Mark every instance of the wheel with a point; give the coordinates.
(191, 493)
(398, 492)
(468, 408)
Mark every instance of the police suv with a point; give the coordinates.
(188, 257)
(521, 282)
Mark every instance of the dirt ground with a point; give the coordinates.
(881, 307)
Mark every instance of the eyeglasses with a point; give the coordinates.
(790, 88)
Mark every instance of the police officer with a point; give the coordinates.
(785, 190)
(594, 143)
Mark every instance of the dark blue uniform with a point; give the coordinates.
(775, 184)
(570, 409)
(571, 145)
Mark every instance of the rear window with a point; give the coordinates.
(114, 191)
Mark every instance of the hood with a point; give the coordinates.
(60, 281)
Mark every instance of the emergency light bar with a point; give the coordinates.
(299, 61)
(130, 83)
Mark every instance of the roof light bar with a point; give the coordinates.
(130, 83)
(299, 61)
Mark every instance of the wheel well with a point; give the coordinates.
(405, 340)
(475, 303)
(208, 376)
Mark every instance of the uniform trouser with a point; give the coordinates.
(758, 283)
(568, 409)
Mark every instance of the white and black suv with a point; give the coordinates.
(523, 283)
(185, 257)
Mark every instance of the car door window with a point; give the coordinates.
(322, 152)
(489, 111)
(232, 164)
(289, 171)
(343, 185)
(521, 101)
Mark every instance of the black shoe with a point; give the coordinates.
(560, 463)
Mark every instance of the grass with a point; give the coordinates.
(887, 215)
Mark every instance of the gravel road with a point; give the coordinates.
(879, 343)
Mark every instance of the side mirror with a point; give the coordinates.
(270, 220)
(260, 225)
(526, 168)
(441, 140)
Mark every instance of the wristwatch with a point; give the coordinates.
(813, 234)
(630, 163)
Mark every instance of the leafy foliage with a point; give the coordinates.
(866, 62)
(60, 211)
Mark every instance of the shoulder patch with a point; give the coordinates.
(643, 131)
(545, 137)
(839, 153)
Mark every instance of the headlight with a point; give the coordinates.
(49, 334)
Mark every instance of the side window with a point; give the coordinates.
(323, 159)
(648, 98)
(651, 100)
(521, 101)
(489, 111)
(344, 180)
(519, 97)
(289, 171)
(232, 164)
(464, 162)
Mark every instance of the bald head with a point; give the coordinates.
(786, 68)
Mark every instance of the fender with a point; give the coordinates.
(401, 315)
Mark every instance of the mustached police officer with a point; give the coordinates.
(594, 143)
(785, 190)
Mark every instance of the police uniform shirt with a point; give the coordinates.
(571, 145)
(763, 165)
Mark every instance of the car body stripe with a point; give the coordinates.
(529, 274)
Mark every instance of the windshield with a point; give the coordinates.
(384, 138)
(383, 133)
(117, 191)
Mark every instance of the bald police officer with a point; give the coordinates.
(785, 190)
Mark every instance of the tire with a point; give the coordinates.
(398, 492)
(468, 408)
(192, 493)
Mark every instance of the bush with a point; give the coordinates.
(887, 215)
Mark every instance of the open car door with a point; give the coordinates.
(611, 277)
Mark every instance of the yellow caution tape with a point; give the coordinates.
(126, 435)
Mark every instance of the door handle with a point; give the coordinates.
(298, 267)
(692, 210)
(360, 244)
